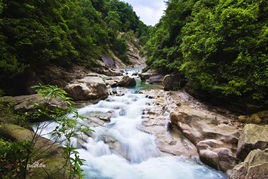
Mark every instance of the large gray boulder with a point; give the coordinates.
(215, 141)
(108, 62)
(253, 137)
(47, 153)
(88, 88)
(173, 82)
(145, 76)
(155, 79)
(20, 134)
(151, 77)
(28, 102)
(124, 81)
(254, 166)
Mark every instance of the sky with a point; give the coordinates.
(149, 11)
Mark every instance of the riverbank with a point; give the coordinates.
(138, 127)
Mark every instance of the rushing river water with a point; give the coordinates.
(139, 157)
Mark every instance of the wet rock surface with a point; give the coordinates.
(117, 81)
(151, 77)
(253, 137)
(195, 129)
(173, 82)
(87, 88)
(28, 102)
(156, 121)
(47, 152)
(127, 81)
(254, 166)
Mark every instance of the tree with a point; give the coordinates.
(219, 46)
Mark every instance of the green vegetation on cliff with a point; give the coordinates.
(219, 46)
(37, 33)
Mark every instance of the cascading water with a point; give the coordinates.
(139, 157)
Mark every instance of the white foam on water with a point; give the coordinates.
(143, 161)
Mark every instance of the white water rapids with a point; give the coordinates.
(141, 158)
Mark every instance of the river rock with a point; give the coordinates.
(112, 81)
(90, 87)
(156, 122)
(151, 76)
(168, 82)
(155, 79)
(28, 102)
(216, 142)
(94, 122)
(114, 145)
(253, 137)
(106, 117)
(126, 81)
(260, 117)
(172, 82)
(47, 152)
(213, 135)
(145, 76)
(19, 134)
(108, 62)
(109, 72)
(112, 72)
(254, 166)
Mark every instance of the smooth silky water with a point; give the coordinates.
(141, 157)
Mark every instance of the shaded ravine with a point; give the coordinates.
(119, 150)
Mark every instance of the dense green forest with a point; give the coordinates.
(220, 47)
(37, 33)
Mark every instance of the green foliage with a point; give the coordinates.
(113, 20)
(1, 93)
(67, 125)
(162, 48)
(13, 157)
(220, 46)
(1, 6)
(120, 48)
(51, 91)
(34, 34)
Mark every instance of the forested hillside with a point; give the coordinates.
(220, 47)
(38, 33)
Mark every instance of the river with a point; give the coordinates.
(139, 157)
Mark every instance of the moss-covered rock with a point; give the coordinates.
(19, 134)
(53, 168)
(173, 82)
(253, 137)
(260, 117)
(256, 118)
(6, 115)
(254, 166)
(126, 81)
(47, 154)
(28, 102)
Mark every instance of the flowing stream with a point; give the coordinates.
(139, 157)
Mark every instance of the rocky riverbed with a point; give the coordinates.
(180, 124)
(184, 126)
